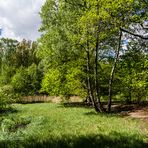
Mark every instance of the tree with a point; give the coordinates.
(133, 71)
(83, 30)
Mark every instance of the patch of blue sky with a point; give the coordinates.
(125, 42)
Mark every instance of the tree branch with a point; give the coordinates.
(134, 34)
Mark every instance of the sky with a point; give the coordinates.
(20, 18)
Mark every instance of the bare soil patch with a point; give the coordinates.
(141, 113)
(133, 111)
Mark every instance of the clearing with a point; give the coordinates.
(54, 125)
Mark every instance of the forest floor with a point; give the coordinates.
(61, 126)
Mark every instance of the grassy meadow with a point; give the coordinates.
(53, 125)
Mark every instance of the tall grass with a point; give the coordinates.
(52, 125)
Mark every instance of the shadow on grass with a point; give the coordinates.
(8, 111)
(31, 102)
(118, 107)
(108, 115)
(93, 113)
(77, 104)
(114, 140)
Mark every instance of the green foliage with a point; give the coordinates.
(7, 96)
(133, 72)
(6, 74)
(51, 82)
(65, 81)
(20, 80)
(63, 59)
(140, 86)
(74, 84)
(26, 80)
(70, 30)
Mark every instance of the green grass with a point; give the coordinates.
(52, 125)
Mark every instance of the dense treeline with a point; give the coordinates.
(92, 49)
(19, 71)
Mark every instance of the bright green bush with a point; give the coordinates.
(63, 82)
(51, 82)
(73, 84)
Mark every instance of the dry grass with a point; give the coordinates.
(40, 98)
(45, 98)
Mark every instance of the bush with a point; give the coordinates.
(26, 80)
(51, 82)
(6, 74)
(6, 96)
(20, 80)
(73, 84)
(61, 82)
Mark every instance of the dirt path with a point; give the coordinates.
(140, 113)
(132, 110)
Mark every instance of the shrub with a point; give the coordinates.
(6, 96)
(66, 83)
(51, 82)
(20, 80)
(26, 80)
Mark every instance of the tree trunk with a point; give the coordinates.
(99, 106)
(130, 87)
(112, 74)
(96, 76)
(89, 84)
